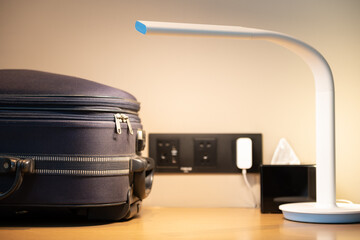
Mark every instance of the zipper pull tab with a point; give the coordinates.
(127, 120)
(118, 122)
(122, 118)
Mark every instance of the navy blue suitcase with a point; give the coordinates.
(69, 143)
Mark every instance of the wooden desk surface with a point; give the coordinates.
(182, 223)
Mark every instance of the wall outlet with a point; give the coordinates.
(167, 152)
(201, 153)
(205, 152)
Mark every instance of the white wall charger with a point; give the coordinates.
(244, 153)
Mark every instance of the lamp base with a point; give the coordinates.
(312, 213)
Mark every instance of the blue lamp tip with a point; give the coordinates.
(140, 27)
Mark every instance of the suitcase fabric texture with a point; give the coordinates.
(70, 143)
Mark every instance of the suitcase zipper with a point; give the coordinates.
(78, 165)
(118, 117)
(61, 165)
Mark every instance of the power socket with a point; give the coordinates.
(167, 153)
(201, 153)
(205, 152)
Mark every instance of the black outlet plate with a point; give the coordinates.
(220, 154)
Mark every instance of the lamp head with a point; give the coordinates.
(140, 27)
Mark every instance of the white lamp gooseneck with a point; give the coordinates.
(325, 210)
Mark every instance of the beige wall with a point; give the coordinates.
(191, 85)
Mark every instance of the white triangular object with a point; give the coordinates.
(284, 154)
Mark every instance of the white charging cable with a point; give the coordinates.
(249, 187)
(244, 161)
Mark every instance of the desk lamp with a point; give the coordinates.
(325, 209)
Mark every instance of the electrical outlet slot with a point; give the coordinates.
(205, 152)
(167, 152)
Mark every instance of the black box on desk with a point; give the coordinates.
(282, 184)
